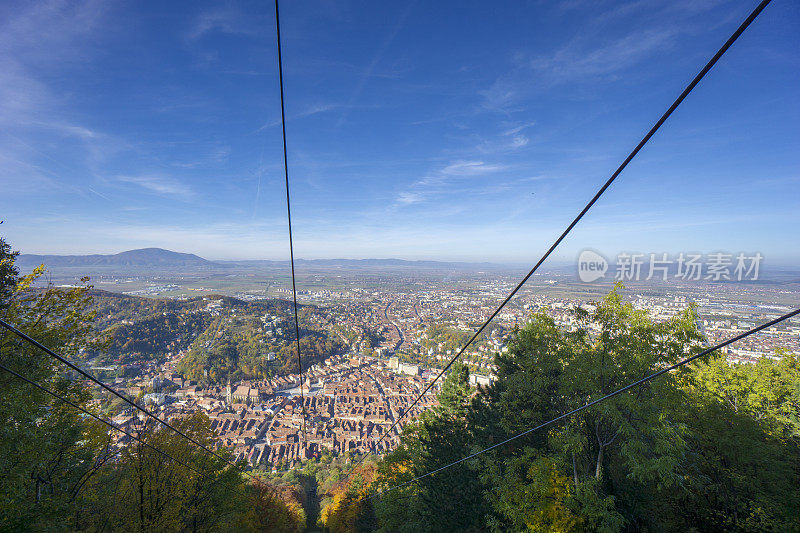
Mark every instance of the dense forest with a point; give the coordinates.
(238, 348)
(222, 337)
(709, 447)
(444, 338)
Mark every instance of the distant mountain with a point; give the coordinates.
(160, 258)
(145, 257)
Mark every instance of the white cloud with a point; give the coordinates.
(500, 96)
(39, 42)
(519, 141)
(515, 130)
(379, 53)
(409, 198)
(442, 181)
(18, 176)
(39, 37)
(577, 60)
(309, 111)
(470, 168)
(222, 21)
(216, 154)
(589, 57)
(161, 185)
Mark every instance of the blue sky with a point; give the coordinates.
(419, 130)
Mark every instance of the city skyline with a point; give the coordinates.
(414, 131)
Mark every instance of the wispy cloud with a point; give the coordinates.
(502, 95)
(101, 195)
(38, 42)
(35, 37)
(577, 61)
(368, 72)
(443, 180)
(407, 198)
(470, 168)
(215, 154)
(162, 186)
(518, 141)
(509, 139)
(310, 110)
(19, 176)
(592, 56)
(518, 128)
(228, 21)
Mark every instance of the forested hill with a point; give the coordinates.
(144, 257)
(221, 336)
(113, 307)
(159, 258)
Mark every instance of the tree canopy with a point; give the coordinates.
(709, 447)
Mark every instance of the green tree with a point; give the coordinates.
(453, 502)
(147, 491)
(702, 438)
(275, 509)
(767, 391)
(48, 450)
(455, 394)
(349, 511)
(744, 468)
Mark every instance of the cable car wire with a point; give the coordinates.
(289, 216)
(133, 404)
(99, 419)
(700, 75)
(599, 400)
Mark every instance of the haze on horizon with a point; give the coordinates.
(454, 132)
